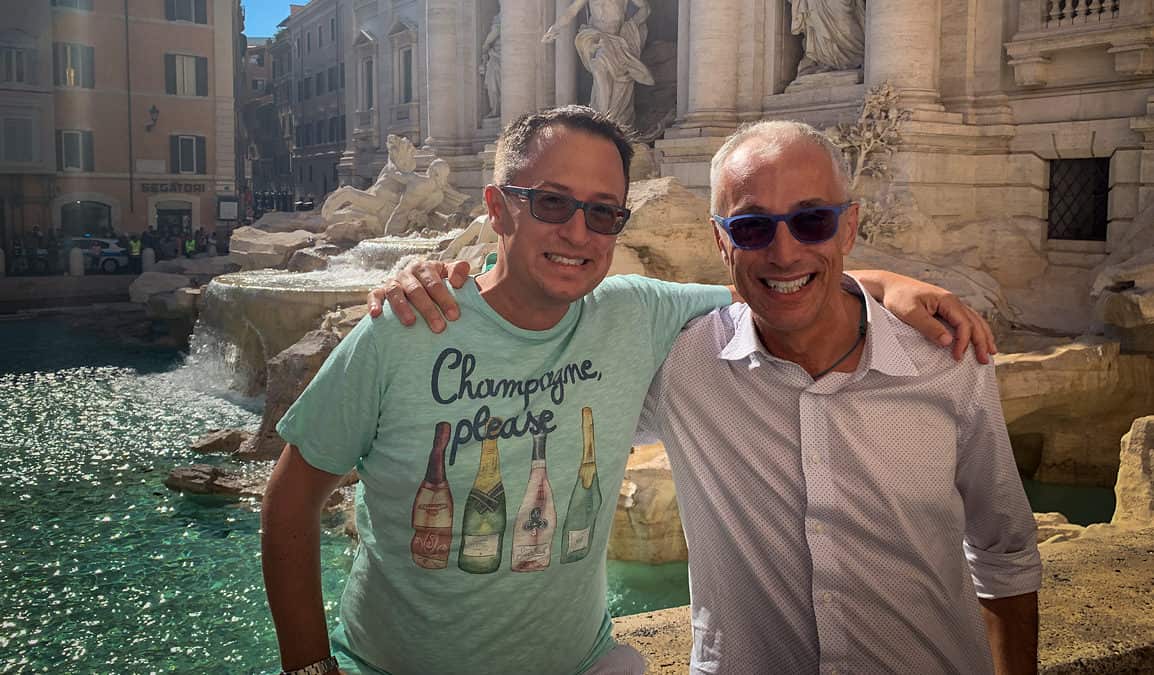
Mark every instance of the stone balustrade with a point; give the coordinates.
(1060, 13)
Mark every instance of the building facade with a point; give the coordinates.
(129, 118)
(1028, 154)
(315, 80)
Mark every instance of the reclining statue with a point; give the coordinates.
(401, 200)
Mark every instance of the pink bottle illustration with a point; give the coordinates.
(537, 518)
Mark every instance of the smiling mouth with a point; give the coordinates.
(562, 260)
(790, 286)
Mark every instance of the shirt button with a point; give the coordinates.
(818, 528)
(833, 671)
(815, 458)
(827, 597)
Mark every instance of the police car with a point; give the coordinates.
(106, 255)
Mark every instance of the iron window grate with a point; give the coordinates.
(1079, 192)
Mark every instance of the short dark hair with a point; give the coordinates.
(513, 144)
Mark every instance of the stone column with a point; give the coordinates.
(443, 75)
(565, 58)
(520, 41)
(711, 99)
(903, 46)
(682, 58)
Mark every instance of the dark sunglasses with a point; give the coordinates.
(552, 207)
(812, 225)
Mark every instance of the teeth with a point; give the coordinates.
(788, 286)
(563, 260)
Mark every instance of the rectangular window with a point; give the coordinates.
(14, 65)
(320, 37)
(334, 130)
(307, 132)
(341, 128)
(73, 4)
(319, 125)
(333, 29)
(185, 75)
(333, 74)
(74, 65)
(188, 154)
(18, 142)
(407, 75)
(74, 150)
(257, 85)
(186, 10)
(342, 76)
(306, 89)
(309, 43)
(1079, 195)
(370, 100)
(320, 83)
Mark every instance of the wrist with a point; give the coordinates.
(323, 667)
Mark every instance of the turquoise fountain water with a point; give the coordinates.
(103, 569)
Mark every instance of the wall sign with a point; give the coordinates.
(172, 187)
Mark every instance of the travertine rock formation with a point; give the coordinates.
(1135, 487)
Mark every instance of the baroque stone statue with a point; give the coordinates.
(489, 67)
(834, 34)
(401, 199)
(610, 49)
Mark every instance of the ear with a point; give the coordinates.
(498, 215)
(849, 225)
(720, 240)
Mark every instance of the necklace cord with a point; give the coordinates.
(861, 333)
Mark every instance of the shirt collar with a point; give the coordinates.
(884, 352)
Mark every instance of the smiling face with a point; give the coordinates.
(788, 285)
(542, 266)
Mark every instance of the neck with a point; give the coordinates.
(497, 289)
(818, 347)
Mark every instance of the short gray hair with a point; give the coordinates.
(774, 134)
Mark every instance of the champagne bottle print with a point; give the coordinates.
(536, 519)
(483, 526)
(585, 503)
(433, 508)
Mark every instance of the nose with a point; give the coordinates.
(574, 230)
(784, 250)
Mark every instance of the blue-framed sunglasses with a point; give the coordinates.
(556, 208)
(812, 225)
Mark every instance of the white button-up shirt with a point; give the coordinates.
(844, 525)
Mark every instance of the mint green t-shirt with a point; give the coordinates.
(482, 566)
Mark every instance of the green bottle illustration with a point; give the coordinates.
(585, 502)
(483, 527)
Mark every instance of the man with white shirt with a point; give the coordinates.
(848, 491)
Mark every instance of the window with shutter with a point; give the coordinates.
(200, 11)
(74, 65)
(333, 78)
(186, 75)
(14, 65)
(73, 4)
(320, 83)
(74, 150)
(170, 74)
(186, 154)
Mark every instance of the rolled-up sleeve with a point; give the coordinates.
(1001, 536)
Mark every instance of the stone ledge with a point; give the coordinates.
(1096, 606)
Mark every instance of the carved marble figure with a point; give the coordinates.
(490, 66)
(401, 199)
(834, 34)
(610, 49)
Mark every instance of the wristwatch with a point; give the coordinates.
(319, 668)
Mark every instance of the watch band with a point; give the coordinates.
(319, 668)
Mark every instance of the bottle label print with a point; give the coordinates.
(537, 518)
(483, 527)
(433, 508)
(585, 502)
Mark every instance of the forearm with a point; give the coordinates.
(290, 560)
(1012, 628)
(875, 281)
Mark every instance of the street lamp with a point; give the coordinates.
(153, 115)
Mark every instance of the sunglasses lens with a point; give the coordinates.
(602, 218)
(813, 226)
(552, 207)
(752, 232)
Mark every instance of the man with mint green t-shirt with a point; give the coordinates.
(375, 406)
(490, 456)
